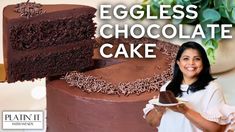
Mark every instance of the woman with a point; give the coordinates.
(193, 83)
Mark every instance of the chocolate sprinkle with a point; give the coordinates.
(91, 84)
(29, 9)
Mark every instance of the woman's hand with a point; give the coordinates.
(181, 108)
(160, 109)
(155, 115)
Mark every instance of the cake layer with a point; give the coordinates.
(83, 44)
(60, 24)
(43, 64)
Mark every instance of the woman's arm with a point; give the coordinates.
(214, 97)
(197, 119)
(154, 116)
(201, 122)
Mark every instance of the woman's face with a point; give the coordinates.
(190, 64)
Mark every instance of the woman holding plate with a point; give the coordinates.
(193, 83)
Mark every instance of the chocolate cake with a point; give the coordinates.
(167, 97)
(109, 97)
(46, 40)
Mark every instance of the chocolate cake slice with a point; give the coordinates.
(46, 40)
(167, 97)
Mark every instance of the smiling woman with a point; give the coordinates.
(193, 82)
(190, 63)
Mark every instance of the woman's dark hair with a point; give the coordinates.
(204, 76)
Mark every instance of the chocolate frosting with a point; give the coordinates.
(76, 109)
(132, 76)
(71, 110)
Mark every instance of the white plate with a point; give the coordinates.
(156, 102)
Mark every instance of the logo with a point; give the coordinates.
(22, 119)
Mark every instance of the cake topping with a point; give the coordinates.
(167, 97)
(96, 84)
(29, 9)
(93, 84)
